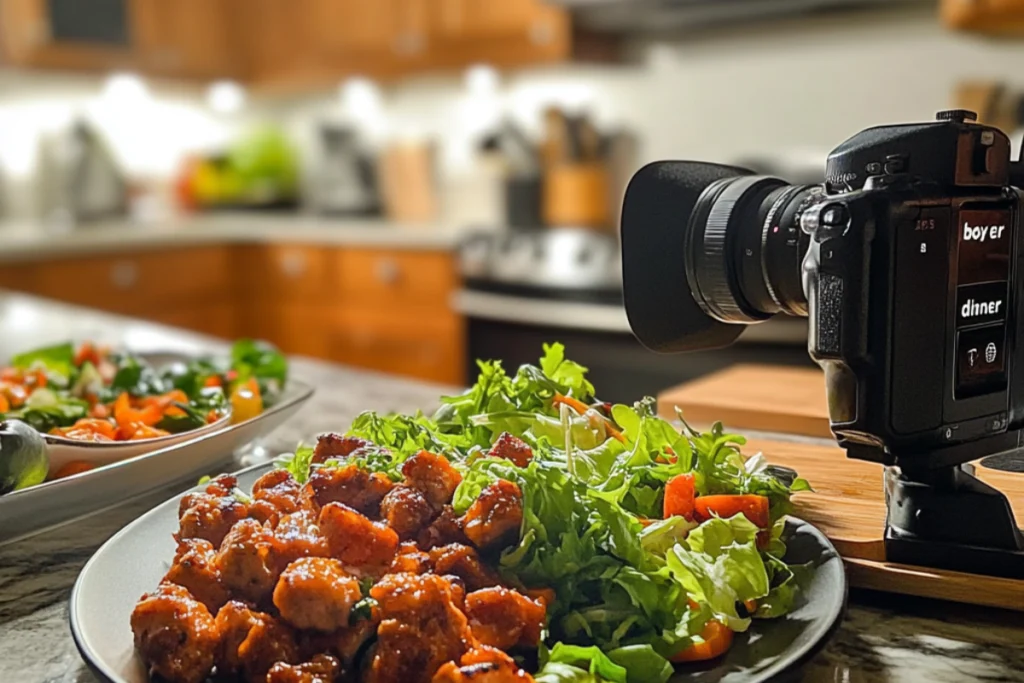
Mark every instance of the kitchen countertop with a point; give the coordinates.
(26, 241)
(884, 638)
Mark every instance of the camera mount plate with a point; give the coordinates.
(948, 519)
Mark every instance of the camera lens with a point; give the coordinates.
(744, 247)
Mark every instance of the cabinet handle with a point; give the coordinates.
(541, 33)
(124, 274)
(388, 271)
(293, 264)
(409, 44)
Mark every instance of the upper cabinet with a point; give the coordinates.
(997, 17)
(183, 38)
(279, 44)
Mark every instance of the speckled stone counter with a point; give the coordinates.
(884, 638)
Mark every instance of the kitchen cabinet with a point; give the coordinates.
(188, 38)
(1000, 17)
(512, 32)
(69, 34)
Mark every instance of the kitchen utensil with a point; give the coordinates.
(407, 183)
(576, 195)
(79, 181)
(133, 561)
(848, 501)
(36, 508)
(345, 179)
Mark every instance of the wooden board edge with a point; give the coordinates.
(939, 584)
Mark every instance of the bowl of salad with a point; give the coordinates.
(93, 405)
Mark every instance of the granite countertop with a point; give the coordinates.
(884, 638)
(26, 241)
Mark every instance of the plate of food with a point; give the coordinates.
(525, 531)
(88, 426)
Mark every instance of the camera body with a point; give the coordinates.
(915, 248)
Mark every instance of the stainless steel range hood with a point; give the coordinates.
(684, 15)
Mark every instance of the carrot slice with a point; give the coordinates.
(754, 508)
(679, 496)
(717, 639)
(581, 407)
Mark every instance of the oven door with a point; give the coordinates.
(513, 329)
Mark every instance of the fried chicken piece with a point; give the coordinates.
(432, 475)
(246, 561)
(464, 562)
(194, 569)
(361, 545)
(264, 512)
(320, 669)
(251, 642)
(209, 517)
(482, 664)
(495, 517)
(298, 535)
(503, 618)
(421, 629)
(410, 560)
(332, 446)
(407, 511)
(175, 634)
(280, 489)
(346, 643)
(458, 590)
(509, 447)
(445, 529)
(316, 593)
(350, 485)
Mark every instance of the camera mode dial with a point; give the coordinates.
(956, 115)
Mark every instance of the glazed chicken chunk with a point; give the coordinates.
(407, 511)
(464, 562)
(333, 446)
(246, 562)
(252, 642)
(433, 476)
(280, 489)
(316, 593)
(298, 535)
(503, 618)
(410, 560)
(320, 669)
(195, 569)
(495, 517)
(360, 544)
(482, 664)
(175, 634)
(512, 448)
(350, 486)
(420, 630)
(210, 517)
(445, 529)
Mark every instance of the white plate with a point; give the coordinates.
(39, 507)
(133, 562)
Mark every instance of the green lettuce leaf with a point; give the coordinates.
(57, 361)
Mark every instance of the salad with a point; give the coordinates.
(524, 527)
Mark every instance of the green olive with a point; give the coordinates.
(23, 458)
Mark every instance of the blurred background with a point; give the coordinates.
(407, 185)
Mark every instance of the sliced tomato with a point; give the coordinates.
(717, 639)
(87, 352)
(679, 496)
(754, 508)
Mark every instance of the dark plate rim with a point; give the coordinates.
(794, 662)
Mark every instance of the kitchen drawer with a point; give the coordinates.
(294, 327)
(137, 282)
(18, 278)
(400, 342)
(376, 277)
(280, 271)
(215, 318)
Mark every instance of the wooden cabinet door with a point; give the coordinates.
(190, 38)
(356, 30)
(1001, 17)
(69, 34)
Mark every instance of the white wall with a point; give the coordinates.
(799, 85)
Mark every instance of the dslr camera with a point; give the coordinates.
(905, 262)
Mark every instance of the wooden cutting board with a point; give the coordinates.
(848, 502)
(762, 397)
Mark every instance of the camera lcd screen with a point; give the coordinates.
(982, 300)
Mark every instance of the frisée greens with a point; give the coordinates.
(634, 587)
